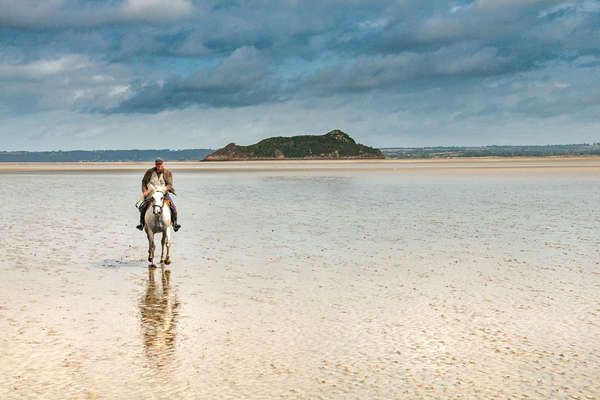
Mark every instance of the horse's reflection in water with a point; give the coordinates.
(158, 318)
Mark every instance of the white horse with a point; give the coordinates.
(158, 219)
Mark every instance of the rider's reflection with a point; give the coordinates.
(158, 318)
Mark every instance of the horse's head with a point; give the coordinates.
(158, 199)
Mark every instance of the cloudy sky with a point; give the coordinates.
(119, 74)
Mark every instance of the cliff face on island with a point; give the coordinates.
(331, 146)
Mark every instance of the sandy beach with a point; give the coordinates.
(385, 165)
(468, 278)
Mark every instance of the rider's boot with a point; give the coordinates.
(176, 226)
(142, 215)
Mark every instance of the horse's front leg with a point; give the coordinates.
(162, 251)
(168, 236)
(150, 247)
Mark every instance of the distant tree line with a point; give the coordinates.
(103, 155)
(493, 151)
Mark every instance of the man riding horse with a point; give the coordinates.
(158, 176)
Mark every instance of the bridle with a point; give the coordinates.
(162, 203)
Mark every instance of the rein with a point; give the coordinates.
(163, 200)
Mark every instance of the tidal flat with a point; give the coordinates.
(474, 279)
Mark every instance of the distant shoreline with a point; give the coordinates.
(466, 163)
(302, 148)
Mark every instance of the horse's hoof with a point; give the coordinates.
(151, 266)
(149, 259)
(168, 261)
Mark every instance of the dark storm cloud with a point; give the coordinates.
(239, 80)
(397, 71)
(236, 53)
(385, 46)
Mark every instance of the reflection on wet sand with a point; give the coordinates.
(456, 283)
(158, 318)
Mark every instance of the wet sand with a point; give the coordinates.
(444, 279)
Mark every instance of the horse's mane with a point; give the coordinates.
(154, 189)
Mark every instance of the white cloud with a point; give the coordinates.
(555, 9)
(581, 6)
(78, 93)
(40, 69)
(460, 8)
(69, 82)
(156, 10)
(118, 90)
(101, 78)
(373, 24)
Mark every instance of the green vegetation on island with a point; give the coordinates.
(331, 146)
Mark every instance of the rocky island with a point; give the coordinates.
(334, 145)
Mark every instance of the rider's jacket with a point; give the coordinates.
(158, 179)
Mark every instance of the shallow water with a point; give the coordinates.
(388, 281)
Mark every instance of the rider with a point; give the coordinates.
(158, 176)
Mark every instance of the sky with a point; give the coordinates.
(125, 74)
